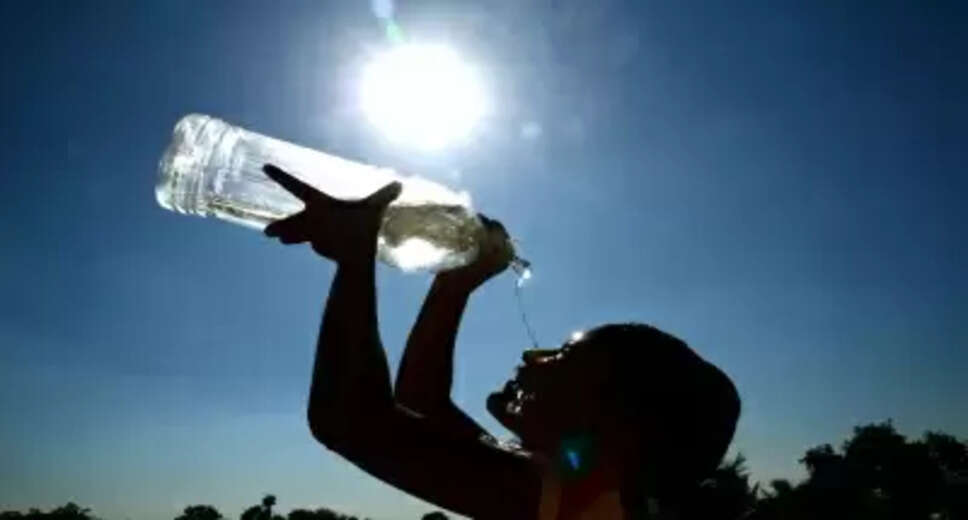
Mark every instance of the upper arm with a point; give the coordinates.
(469, 476)
(449, 417)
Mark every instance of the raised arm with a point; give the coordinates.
(350, 374)
(425, 376)
(351, 406)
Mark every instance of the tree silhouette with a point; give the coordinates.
(900, 474)
(820, 458)
(951, 456)
(261, 511)
(200, 512)
(69, 511)
(877, 474)
(267, 502)
(726, 494)
(319, 514)
(252, 513)
(781, 487)
(781, 501)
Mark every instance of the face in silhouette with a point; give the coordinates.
(554, 393)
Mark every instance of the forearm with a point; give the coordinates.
(425, 375)
(351, 380)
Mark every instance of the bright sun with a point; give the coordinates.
(422, 95)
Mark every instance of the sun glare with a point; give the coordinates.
(422, 95)
(415, 253)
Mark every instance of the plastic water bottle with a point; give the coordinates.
(212, 168)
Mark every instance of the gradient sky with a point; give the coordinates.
(777, 185)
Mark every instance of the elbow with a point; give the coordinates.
(328, 431)
(346, 431)
(321, 433)
(326, 423)
(343, 426)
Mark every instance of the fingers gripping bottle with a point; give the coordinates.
(212, 168)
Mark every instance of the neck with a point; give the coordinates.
(579, 493)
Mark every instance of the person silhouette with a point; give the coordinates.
(618, 422)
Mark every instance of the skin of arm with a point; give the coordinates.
(425, 376)
(352, 409)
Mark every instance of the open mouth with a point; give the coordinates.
(515, 396)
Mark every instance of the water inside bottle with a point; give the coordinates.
(428, 236)
(212, 168)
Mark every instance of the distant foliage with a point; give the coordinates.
(876, 474)
(200, 513)
(253, 513)
(69, 511)
(319, 514)
(726, 494)
(262, 511)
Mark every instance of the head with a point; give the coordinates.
(627, 395)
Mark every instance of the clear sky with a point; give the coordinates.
(783, 187)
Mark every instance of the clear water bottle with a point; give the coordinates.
(212, 168)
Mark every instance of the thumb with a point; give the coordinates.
(493, 225)
(384, 195)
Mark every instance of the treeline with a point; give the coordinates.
(876, 474)
(263, 511)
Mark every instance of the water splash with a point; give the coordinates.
(522, 268)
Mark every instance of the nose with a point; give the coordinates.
(537, 355)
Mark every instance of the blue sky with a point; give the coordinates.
(777, 184)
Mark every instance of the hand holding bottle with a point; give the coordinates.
(344, 231)
(495, 254)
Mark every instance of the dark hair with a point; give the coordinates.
(686, 408)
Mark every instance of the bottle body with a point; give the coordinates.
(212, 168)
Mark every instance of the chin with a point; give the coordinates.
(499, 404)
